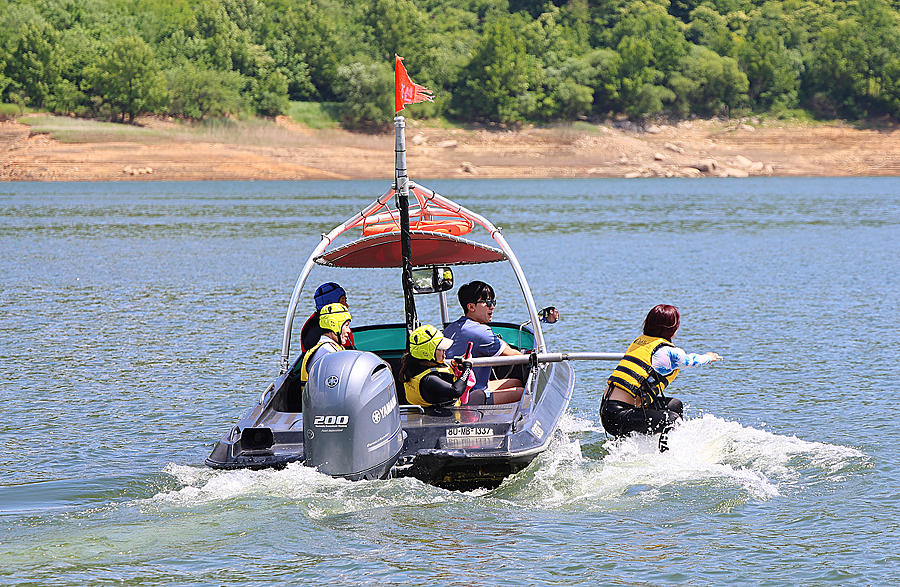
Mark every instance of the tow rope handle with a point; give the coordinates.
(464, 398)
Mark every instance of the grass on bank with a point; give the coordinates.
(13, 110)
(315, 115)
(82, 130)
(157, 130)
(321, 122)
(321, 119)
(257, 132)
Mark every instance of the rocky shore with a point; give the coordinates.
(714, 148)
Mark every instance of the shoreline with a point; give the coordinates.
(701, 148)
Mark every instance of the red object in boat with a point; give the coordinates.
(428, 249)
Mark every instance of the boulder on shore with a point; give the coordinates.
(706, 166)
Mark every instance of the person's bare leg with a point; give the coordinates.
(506, 391)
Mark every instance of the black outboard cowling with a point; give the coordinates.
(351, 421)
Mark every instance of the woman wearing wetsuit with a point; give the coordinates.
(634, 400)
(427, 379)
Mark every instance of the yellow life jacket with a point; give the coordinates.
(634, 373)
(413, 395)
(304, 364)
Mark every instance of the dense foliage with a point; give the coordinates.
(506, 61)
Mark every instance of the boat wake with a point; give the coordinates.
(315, 494)
(710, 461)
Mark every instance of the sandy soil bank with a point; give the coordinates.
(698, 148)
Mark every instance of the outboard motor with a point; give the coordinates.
(351, 421)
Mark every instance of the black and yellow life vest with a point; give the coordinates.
(413, 394)
(634, 373)
(304, 364)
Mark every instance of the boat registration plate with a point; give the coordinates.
(469, 431)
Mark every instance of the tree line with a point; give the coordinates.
(503, 61)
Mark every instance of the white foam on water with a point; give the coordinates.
(708, 458)
(733, 462)
(322, 495)
(572, 424)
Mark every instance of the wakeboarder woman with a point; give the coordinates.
(634, 399)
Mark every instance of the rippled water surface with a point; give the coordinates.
(139, 320)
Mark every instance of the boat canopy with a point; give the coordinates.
(428, 249)
(436, 225)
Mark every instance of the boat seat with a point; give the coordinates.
(289, 397)
(519, 372)
(394, 363)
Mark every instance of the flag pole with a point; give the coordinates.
(401, 184)
(405, 92)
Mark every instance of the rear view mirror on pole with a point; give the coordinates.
(432, 280)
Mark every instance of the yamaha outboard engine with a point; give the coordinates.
(350, 418)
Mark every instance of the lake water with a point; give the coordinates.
(140, 320)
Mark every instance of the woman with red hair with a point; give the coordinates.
(634, 399)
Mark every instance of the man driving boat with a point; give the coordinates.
(478, 302)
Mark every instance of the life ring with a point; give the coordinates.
(452, 227)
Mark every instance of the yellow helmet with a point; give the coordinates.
(425, 340)
(333, 316)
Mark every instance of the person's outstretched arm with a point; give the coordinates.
(668, 358)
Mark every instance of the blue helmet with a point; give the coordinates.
(328, 293)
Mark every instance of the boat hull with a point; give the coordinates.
(462, 471)
(457, 448)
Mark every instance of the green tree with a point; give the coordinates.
(606, 79)
(129, 79)
(880, 31)
(850, 66)
(77, 50)
(32, 67)
(769, 50)
(710, 29)
(4, 81)
(445, 45)
(227, 45)
(652, 45)
(565, 90)
(292, 66)
(773, 71)
(568, 93)
(500, 82)
(642, 91)
(709, 84)
(367, 92)
(836, 71)
(891, 89)
(663, 34)
(306, 35)
(395, 26)
(270, 93)
(227, 35)
(201, 92)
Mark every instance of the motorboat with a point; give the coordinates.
(352, 419)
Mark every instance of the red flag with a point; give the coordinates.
(405, 91)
